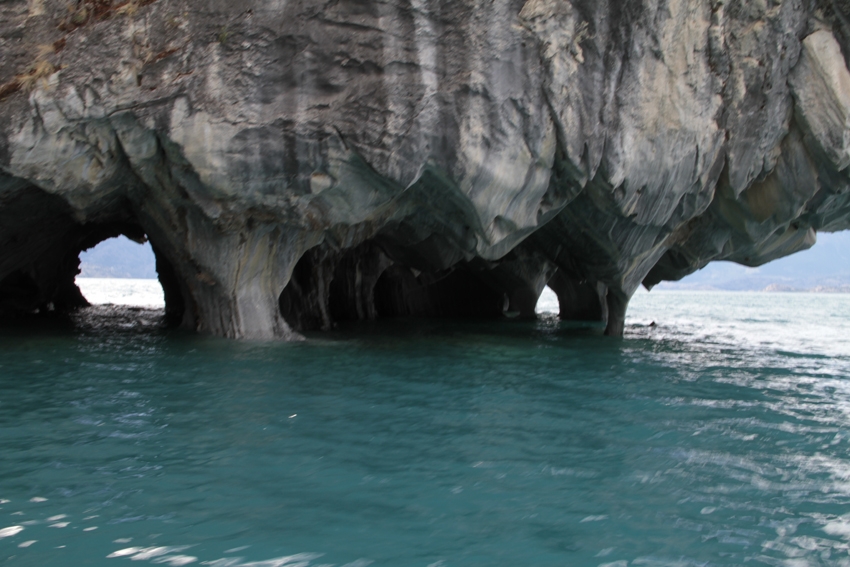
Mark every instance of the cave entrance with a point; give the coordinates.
(459, 292)
(547, 303)
(39, 268)
(121, 272)
(574, 299)
(329, 286)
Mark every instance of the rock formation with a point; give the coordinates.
(296, 163)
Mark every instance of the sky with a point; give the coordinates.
(826, 264)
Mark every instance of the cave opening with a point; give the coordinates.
(330, 285)
(456, 292)
(39, 267)
(120, 271)
(364, 283)
(119, 265)
(547, 303)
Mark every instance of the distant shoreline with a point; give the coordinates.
(773, 288)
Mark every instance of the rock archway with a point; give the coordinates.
(442, 159)
(43, 238)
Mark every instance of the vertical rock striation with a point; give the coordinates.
(298, 163)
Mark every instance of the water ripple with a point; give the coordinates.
(717, 437)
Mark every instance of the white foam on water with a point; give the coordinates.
(225, 562)
(840, 528)
(150, 553)
(124, 552)
(11, 531)
(176, 560)
(163, 555)
(297, 560)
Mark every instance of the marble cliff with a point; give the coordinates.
(300, 162)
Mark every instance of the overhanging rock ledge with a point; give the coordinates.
(297, 163)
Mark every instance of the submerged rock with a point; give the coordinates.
(298, 163)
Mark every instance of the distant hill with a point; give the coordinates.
(824, 267)
(119, 258)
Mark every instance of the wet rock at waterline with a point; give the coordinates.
(299, 163)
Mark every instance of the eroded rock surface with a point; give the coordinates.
(295, 163)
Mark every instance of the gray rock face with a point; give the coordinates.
(297, 163)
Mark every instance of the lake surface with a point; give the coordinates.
(123, 291)
(718, 436)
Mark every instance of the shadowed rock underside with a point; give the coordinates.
(298, 163)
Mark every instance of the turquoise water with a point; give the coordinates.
(718, 436)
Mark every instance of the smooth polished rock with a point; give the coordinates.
(297, 163)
